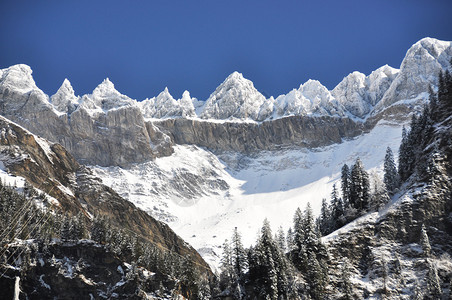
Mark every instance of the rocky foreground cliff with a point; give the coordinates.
(69, 192)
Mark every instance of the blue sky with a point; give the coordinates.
(144, 46)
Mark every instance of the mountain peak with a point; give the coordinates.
(105, 89)
(165, 94)
(19, 77)
(235, 76)
(236, 97)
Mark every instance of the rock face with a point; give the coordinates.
(53, 170)
(107, 128)
(271, 135)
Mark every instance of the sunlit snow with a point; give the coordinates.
(268, 185)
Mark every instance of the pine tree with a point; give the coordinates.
(226, 268)
(385, 277)
(433, 102)
(325, 218)
(404, 156)
(417, 293)
(433, 282)
(238, 254)
(298, 238)
(391, 176)
(99, 229)
(290, 240)
(345, 184)
(337, 210)
(189, 277)
(379, 196)
(425, 242)
(316, 278)
(359, 187)
(280, 239)
(346, 284)
(268, 270)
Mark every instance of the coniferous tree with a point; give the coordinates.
(325, 218)
(433, 102)
(385, 277)
(99, 229)
(391, 176)
(189, 277)
(281, 240)
(337, 210)
(425, 242)
(227, 268)
(418, 294)
(404, 153)
(290, 240)
(316, 277)
(268, 270)
(297, 255)
(379, 196)
(238, 254)
(345, 184)
(433, 282)
(359, 187)
(346, 284)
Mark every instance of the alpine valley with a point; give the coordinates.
(175, 178)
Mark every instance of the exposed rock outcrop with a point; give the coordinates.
(53, 170)
(247, 137)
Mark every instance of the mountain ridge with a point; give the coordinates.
(108, 128)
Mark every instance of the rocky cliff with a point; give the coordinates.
(52, 170)
(296, 131)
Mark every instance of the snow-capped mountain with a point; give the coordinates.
(237, 157)
(64, 100)
(310, 98)
(359, 93)
(165, 106)
(235, 98)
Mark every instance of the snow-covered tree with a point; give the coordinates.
(325, 218)
(425, 242)
(345, 184)
(99, 229)
(316, 277)
(418, 293)
(268, 270)
(405, 156)
(280, 239)
(385, 277)
(290, 240)
(337, 209)
(433, 282)
(238, 254)
(227, 275)
(391, 176)
(359, 187)
(346, 284)
(379, 196)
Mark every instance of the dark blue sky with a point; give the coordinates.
(143, 46)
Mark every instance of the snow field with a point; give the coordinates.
(270, 185)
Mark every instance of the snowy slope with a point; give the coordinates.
(203, 197)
